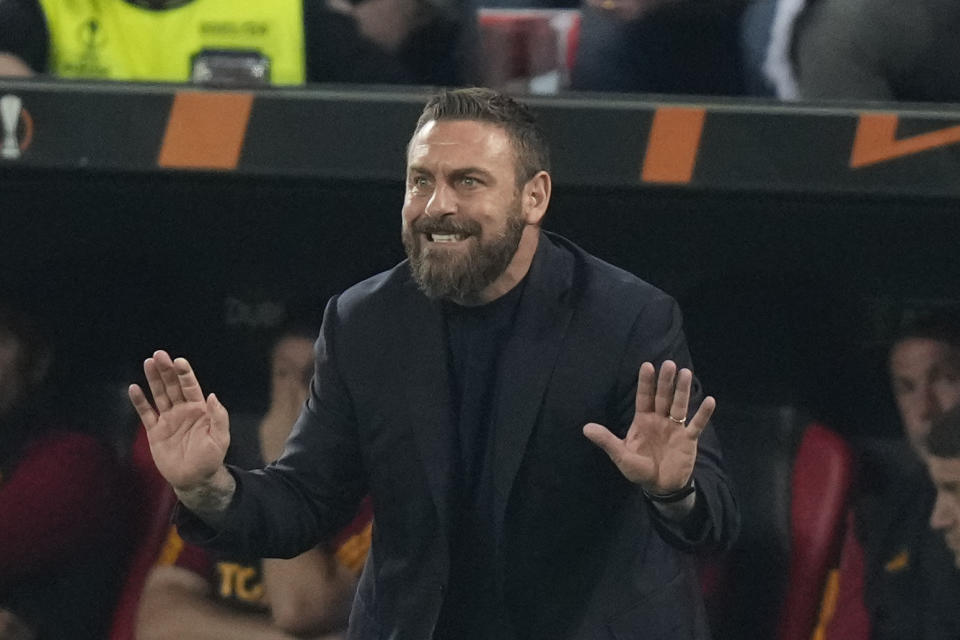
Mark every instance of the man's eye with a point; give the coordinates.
(419, 182)
(470, 182)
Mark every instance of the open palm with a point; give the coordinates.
(188, 434)
(659, 450)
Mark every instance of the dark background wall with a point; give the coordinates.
(788, 297)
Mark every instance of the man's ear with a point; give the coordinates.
(536, 197)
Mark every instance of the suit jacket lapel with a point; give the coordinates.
(527, 363)
(428, 402)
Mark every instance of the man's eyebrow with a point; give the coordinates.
(456, 173)
(471, 170)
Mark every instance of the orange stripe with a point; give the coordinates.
(353, 552)
(172, 547)
(205, 130)
(828, 606)
(673, 145)
(876, 140)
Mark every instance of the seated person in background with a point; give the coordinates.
(247, 42)
(192, 594)
(866, 50)
(943, 463)
(660, 46)
(62, 512)
(911, 589)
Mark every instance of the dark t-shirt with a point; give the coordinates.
(438, 53)
(473, 606)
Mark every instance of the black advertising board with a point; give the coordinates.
(598, 140)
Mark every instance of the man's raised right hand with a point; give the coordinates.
(188, 434)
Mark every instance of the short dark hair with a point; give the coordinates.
(943, 440)
(941, 325)
(487, 105)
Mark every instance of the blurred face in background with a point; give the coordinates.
(291, 369)
(925, 375)
(292, 363)
(945, 518)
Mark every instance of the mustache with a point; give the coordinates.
(446, 225)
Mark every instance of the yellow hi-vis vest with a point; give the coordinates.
(117, 40)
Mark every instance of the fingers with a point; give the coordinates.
(603, 438)
(219, 421)
(218, 412)
(646, 388)
(681, 397)
(665, 391)
(147, 415)
(699, 421)
(157, 388)
(169, 376)
(170, 381)
(634, 467)
(187, 381)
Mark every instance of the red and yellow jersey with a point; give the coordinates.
(240, 581)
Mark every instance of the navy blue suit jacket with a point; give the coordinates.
(582, 553)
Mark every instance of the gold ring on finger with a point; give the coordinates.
(682, 420)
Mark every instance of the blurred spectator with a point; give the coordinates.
(660, 46)
(528, 50)
(246, 42)
(866, 50)
(943, 443)
(192, 594)
(911, 588)
(62, 512)
(755, 35)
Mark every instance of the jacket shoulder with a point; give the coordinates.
(375, 293)
(605, 284)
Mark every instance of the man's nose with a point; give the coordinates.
(930, 406)
(442, 201)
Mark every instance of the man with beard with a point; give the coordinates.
(466, 390)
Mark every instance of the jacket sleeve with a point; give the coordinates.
(314, 488)
(714, 522)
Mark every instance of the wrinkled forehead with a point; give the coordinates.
(918, 354)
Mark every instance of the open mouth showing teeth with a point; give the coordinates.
(447, 237)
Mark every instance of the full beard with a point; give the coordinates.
(460, 276)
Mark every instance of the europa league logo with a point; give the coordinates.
(14, 118)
